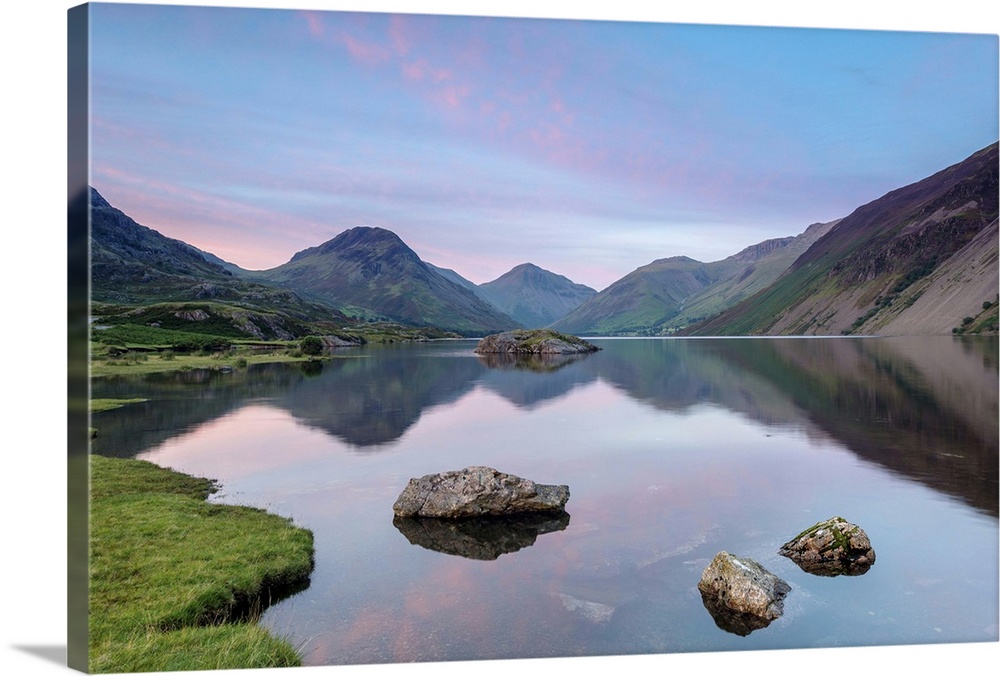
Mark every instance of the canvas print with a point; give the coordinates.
(411, 338)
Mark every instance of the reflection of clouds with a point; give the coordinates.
(256, 439)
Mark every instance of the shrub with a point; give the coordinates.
(966, 321)
(311, 345)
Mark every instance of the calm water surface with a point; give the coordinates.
(673, 450)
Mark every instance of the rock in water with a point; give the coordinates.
(743, 586)
(832, 547)
(477, 491)
(537, 341)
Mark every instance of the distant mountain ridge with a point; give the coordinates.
(533, 296)
(671, 293)
(921, 259)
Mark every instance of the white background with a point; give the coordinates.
(33, 254)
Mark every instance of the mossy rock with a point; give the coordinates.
(534, 341)
(830, 548)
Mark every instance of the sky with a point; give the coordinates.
(589, 147)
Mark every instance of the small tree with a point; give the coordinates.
(311, 345)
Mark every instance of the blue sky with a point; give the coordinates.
(588, 147)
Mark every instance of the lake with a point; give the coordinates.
(673, 450)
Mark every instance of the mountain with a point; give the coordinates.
(743, 274)
(533, 296)
(644, 298)
(370, 273)
(453, 276)
(671, 293)
(126, 255)
(140, 277)
(921, 259)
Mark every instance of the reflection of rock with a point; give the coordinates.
(729, 620)
(477, 491)
(732, 587)
(832, 547)
(537, 341)
(540, 363)
(483, 538)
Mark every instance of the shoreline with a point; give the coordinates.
(178, 583)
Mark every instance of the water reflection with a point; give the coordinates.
(311, 368)
(727, 619)
(925, 408)
(484, 538)
(674, 450)
(539, 363)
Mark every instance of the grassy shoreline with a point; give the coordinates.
(142, 362)
(176, 583)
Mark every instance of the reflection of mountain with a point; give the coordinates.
(674, 375)
(527, 381)
(373, 400)
(484, 538)
(912, 405)
(178, 402)
(366, 400)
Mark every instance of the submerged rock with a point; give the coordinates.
(735, 587)
(484, 538)
(832, 547)
(477, 491)
(536, 341)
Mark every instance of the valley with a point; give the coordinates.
(921, 260)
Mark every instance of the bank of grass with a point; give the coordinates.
(140, 361)
(176, 583)
(98, 405)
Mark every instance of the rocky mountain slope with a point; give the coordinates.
(922, 259)
(640, 301)
(534, 297)
(369, 273)
(139, 276)
(671, 293)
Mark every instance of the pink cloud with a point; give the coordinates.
(400, 34)
(367, 52)
(420, 70)
(453, 96)
(315, 23)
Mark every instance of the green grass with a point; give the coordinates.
(103, 363)
(98, 405)
(136, 334)
(986, 322)
(176, 582)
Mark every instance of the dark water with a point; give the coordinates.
(673, 450)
